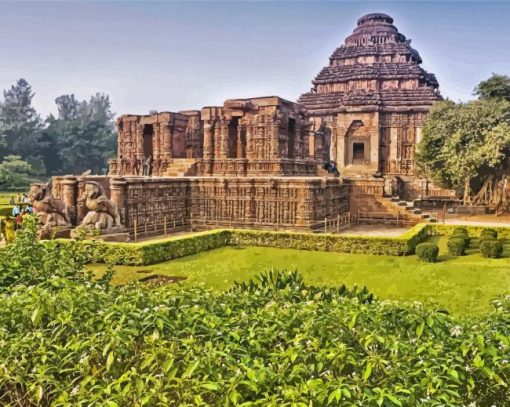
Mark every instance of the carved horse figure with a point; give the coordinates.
(102, 212)
(50, 211)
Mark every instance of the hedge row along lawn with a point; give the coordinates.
(66, 340)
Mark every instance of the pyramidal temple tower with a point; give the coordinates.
(369, 104)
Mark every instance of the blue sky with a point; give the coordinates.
(186, 55)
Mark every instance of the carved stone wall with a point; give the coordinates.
(267, 135)
(273, 203)
(163, 136)
(293, 203)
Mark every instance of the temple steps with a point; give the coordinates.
(181, 167)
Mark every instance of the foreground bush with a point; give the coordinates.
(427, 252)
(492, 249)
(66, 341)
(456, 246)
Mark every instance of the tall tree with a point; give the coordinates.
(14, 172)
(83, 134)
(20, 125)
(496, 87)
(466, 146)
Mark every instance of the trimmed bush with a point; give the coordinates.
(427, 252)
(492, 249)
(456, 246)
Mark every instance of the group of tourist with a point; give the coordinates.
(146, 164)
(20, 208)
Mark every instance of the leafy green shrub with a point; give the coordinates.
(393, 246)
(66, 340)
(427, 252)
(492, 249)
(456, 246)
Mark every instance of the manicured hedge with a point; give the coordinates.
(157, 251)
(473, 231)
(151, 252)
(393, 246)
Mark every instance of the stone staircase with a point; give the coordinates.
(181, 167)
(403, 207)
(376, 209)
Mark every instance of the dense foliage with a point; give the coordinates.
(496, 87)
(66, 340)
(14, 173)
(81, 137)
(456, 246)
(492, 249)
(465, 143)
(427, 252)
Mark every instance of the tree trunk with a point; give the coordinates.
(466, 191)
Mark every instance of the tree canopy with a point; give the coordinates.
(496, 87)
(81, 137)
(465, 144)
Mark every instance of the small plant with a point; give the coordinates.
(456, 246)
(427, 252)
(491, 249)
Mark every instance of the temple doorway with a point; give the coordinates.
(232, 137)
(358, 153)
(148, 134)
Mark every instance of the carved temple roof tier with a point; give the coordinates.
(375, 67)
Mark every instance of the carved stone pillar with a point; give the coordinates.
(165, 147)
(69, 196)
(224, 141)
(118, 195)
(139, 141)
(156, 141)
(208, 141)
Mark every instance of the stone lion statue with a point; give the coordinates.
(102, 212)
(51, 212)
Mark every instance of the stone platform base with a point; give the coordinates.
(115, 237)
(58, 232)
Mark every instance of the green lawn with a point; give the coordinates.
(463, 285)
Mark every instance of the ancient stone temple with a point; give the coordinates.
(261, 162)
(370, 102)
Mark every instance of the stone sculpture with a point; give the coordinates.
(51, 212)
(102, 212)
